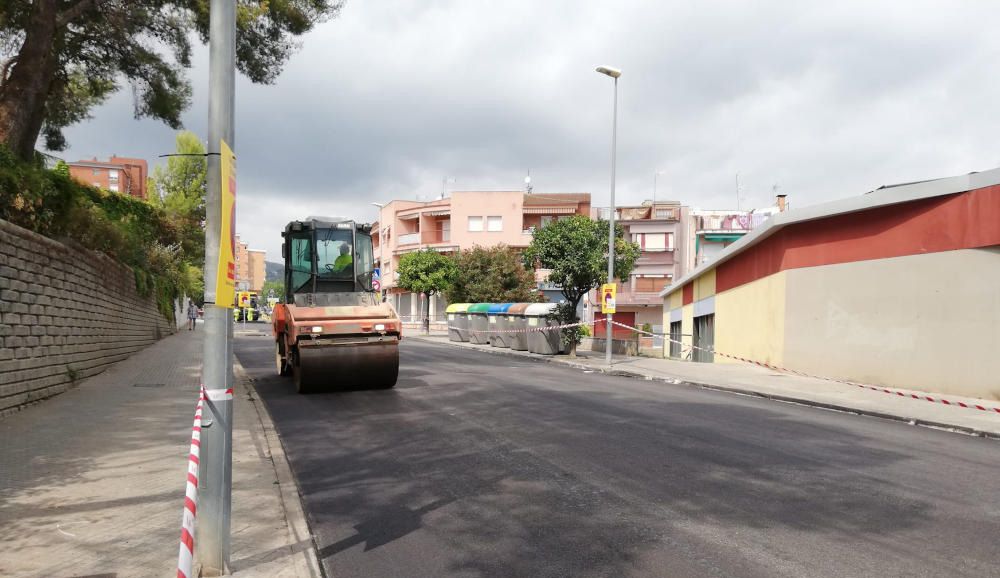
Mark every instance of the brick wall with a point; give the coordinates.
(65, 314)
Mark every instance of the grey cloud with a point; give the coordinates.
(825, 99)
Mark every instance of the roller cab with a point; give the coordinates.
(333, 331)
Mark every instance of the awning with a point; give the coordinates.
(438, 213)
(723, 238)
(409, 216)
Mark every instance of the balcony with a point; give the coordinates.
(435, 237)
(409, 239)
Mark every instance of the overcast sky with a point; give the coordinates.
(823, 99)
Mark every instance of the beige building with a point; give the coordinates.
(250, 268)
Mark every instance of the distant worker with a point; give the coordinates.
(192, 315)
(344, 262)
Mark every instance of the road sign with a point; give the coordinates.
(376, 285)
(225, 275)
(608, 291)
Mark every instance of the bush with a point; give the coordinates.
(126, 229)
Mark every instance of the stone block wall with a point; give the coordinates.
(66, 313)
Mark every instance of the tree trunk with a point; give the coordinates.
(23, 96)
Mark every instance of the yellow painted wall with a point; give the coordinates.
(704, 286)
(750, 321)
(675, 299)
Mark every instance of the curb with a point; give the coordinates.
(971, 431)
(288, 489)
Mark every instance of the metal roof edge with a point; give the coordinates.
(881, 197)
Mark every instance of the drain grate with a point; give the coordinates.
(148, 384)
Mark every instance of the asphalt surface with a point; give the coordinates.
(484, 465)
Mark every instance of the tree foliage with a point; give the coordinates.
(134, 232)
(492, 275)
(575, 250)
(179, 189)
(426, 271)
(60, 58)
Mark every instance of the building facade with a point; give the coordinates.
(708, 233)
(897, 287)
(251, 271)
(660, 235)
(462, 221)
(117, 174)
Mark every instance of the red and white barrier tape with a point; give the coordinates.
(185, 558)
(528, 330)
(804, 374)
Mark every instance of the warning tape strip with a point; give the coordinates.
(887, 390)
(686, 346)
(185, 557)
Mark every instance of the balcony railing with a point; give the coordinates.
(409, 239)
(432, 237)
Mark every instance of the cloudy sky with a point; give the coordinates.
(822, 99)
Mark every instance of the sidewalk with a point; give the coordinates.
(753, 380)
(92, 481)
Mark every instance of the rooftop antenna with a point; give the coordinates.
(527, 183)
(737, 192)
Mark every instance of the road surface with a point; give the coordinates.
(487, 465)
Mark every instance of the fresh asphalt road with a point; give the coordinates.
(486, 465)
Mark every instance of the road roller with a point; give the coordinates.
(333, 330)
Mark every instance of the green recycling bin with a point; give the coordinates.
(479, 323)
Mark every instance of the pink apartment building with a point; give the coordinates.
(461, 221)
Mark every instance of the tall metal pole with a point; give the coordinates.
(611, 221)
(215, 468)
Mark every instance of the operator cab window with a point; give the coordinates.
(334, 254)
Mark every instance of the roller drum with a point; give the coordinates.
(356, 366)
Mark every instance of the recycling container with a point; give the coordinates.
(518, 324)
(497, 319)
(458, 321)
(479, 323)
(543, 342)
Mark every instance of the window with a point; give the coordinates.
(494, 223)
(649, 284)
(113, 176)
(655, 242)
(96, 172)
(113, 187)
(546, 219)
(670, 241)
(475, 224)
(664, 213)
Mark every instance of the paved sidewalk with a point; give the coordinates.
(92, 481)
(753, 380)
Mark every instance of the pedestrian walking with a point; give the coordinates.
(192, 315)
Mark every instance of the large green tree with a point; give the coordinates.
(426, 271)
(576, 252)
(60, 58)
(179, 188)
(492, 275)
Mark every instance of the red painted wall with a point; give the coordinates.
(687, 294)
(960, 221)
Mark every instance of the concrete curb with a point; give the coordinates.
(307, 565)
(734, 390)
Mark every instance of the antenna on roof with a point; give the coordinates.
(527, 183)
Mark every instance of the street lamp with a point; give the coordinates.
(613, 73)
(652, 211)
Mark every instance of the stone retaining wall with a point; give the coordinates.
(66, 313)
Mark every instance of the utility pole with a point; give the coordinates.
(215, 469)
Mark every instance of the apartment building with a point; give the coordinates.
(250, 269)
(117, 174)
(659, 233)
(461, 221)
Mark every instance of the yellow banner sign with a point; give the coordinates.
(608, 291)
(225, 275)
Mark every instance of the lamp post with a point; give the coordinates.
(380, 206)
(613, 73)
